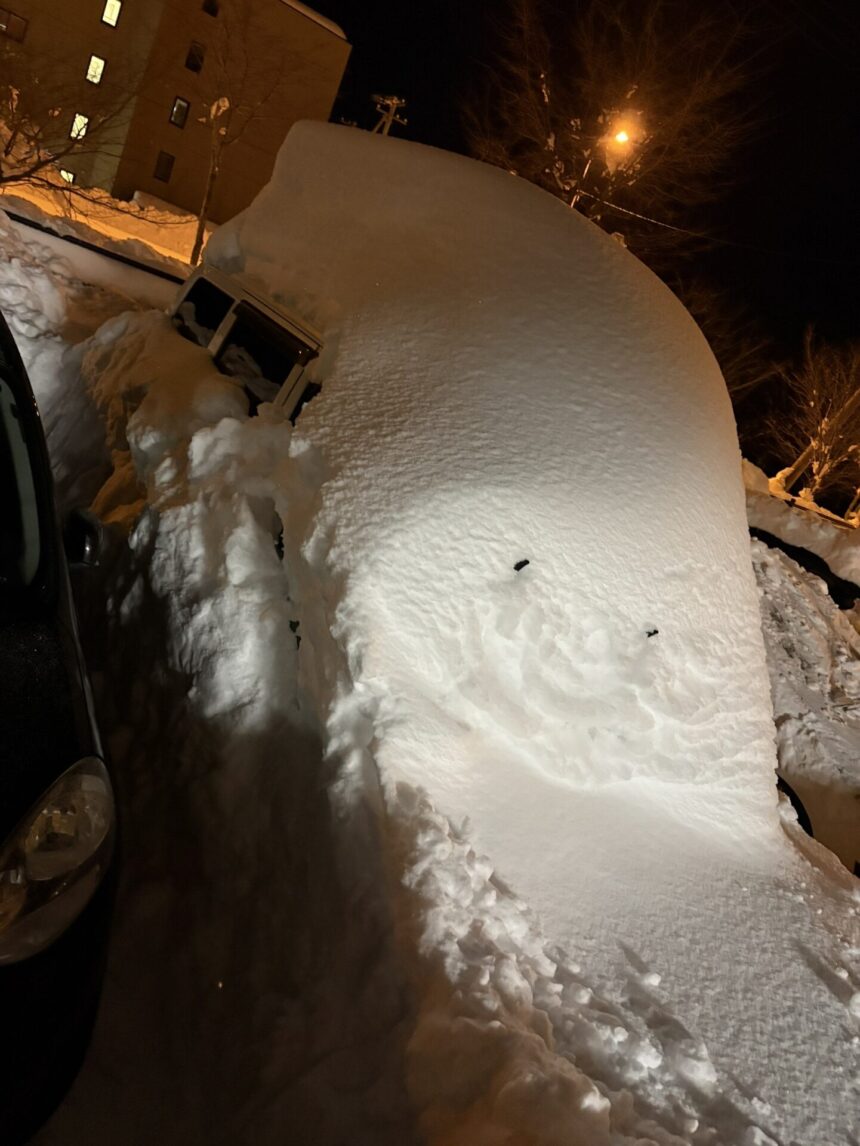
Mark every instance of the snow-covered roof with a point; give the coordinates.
(317, 18)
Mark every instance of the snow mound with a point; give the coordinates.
(837, 544)
(145, 229)
(814, 662)
(50, 311)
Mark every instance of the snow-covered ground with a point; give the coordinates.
(814, 662)
(776, 512)
(813, 653)
(145, 228)
(488, 856)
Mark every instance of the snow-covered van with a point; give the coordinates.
(250, 337)
(515, 539)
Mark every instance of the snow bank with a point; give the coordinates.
(99, 270)
(814, 662)
(813, 654)
(50, 310)
(274, 968)
(837, 544)
(145, 229)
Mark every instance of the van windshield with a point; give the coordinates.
(20, 527)
(260, 352)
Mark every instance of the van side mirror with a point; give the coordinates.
(82, 538)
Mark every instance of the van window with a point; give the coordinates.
(203, 310)
(260, 353)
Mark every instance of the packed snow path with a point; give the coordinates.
(619, 945)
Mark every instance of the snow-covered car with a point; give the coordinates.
(57, 819)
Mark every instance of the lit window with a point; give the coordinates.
(94, 69)
(164, 166)
(179, 112)
(79, 126)
(194, 59)
(15, 27)
(69, 176)
(210, 7)
(111, 12)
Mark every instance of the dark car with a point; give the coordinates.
(57, 819)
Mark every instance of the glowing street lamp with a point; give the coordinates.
(625, 133)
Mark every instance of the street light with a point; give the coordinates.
(625, 133)
(622, 138)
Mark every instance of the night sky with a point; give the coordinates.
(795, 197)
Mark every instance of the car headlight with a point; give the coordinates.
(55, 859)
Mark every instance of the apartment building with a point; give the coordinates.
(162, 66)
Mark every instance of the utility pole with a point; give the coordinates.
(388, 108)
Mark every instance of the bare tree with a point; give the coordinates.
(621, 109)
(51, 114)
(245, 73)
(745, 354)
(820, 425)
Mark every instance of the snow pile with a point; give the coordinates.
(835, 542)
(265, 943)
(492, 855)
(813, 654)
(814, 661)
(145, 228)
(50, 311)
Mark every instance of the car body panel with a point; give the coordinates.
(48, 1001)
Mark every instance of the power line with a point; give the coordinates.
(826, 35)
(715, 239)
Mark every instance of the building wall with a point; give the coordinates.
(261, 48)
(59, 42)
(297, 62)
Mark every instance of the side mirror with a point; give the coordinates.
(82, 538)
